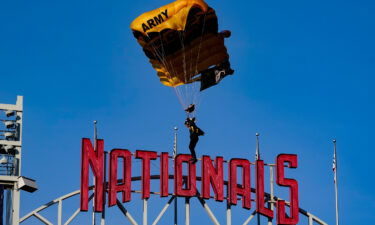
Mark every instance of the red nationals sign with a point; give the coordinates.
(185, 185)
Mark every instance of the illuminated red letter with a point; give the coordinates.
(245, 189)
(96, 161)
(146, 156)
(212, 176)
(191, 189)
(164, 174)
(125, 184)
(260, 190)
(282, 219)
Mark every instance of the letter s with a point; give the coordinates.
(282, 219)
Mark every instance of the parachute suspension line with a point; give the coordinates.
(181, 89)
(161, 57)
(181, 95)
(172, 72)
(198, 100)
(189, 92)
(194, 83)
(192, 90)
(186, 88)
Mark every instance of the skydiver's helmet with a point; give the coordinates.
(190, 121)
(187, 122)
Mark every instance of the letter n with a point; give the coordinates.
(282, 218)
(124, 184)
(213, 176)
(95, 160)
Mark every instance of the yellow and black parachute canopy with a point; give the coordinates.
(181, 40)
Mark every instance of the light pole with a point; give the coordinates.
(11, 117)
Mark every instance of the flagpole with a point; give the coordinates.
(257, 157)
(174, 157)
(93, 190)
(257, 149)
(335, 180)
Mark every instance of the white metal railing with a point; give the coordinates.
(59, 202)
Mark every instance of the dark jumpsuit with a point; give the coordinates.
(195, 132)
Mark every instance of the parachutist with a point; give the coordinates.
(195, 132)
(190, 108)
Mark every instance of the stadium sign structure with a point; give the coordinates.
(184, 179)
(212, 175)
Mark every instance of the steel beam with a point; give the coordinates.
(71, 218)
(312, 219)
(229, 214)
(163, 210)
(59, 213)
(250, 217)
(126, 213)
(145, 203)
(271, 202)
(208, 210)
(41, 218)
(187, 211)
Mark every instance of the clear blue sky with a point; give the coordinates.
(304, 75)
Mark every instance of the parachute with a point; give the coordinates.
(182, 42)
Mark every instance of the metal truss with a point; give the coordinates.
(37, 213)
